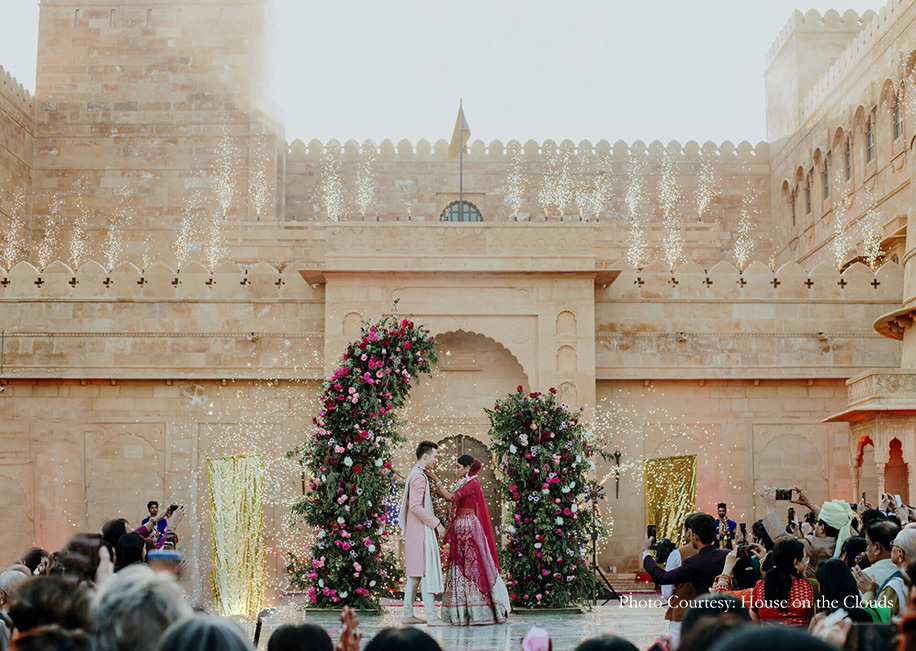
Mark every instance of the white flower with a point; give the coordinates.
(320, 583)
(371, 548)
(537, 545)
(510, 529)
(574, 508)
(591, 465)
(578, 458)
(343, 595)
(322, 533)
(340, 520)
(371, 584)
(379, 463)
(348, 462)
(546, 491)
(559, 520)
(565, 489)
(513, 449)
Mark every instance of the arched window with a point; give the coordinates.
(869, 141)
(898, 119)
(808, 196)
(470, 213)
(825, 179)
(847, 156)
(794, 209)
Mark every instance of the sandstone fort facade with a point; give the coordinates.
(181, 276)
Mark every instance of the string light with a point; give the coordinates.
(259, 188)
(516, 185)
(11, 243)
(842, 242)
(637, 244)
(224, 178)
(668, 197)
(331, 188)
(365, 180)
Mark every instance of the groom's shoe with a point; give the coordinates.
(437, 622)
(412, 620)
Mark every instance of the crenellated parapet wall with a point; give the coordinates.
(417, 181)
(17, 130)
(160, 322)
(700, 323)
(813, 20)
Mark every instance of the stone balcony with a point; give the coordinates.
(879, 392)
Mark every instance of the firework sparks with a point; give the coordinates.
(258, 187)
(79, 245)
(637, 245)
(744, 240)
(11, 244)
(842, 242)
(872, 232)
(114, 234)
(47, 247)
(331, 188)
(668, 196)
(516, 187)
(557, 187)
(215, 249)
(224, 178)
(706, 183)
(365, 181)
(189, 232)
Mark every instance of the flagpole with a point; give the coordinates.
(460, 164)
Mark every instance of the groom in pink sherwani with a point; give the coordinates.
(421, 528)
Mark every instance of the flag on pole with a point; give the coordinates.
(460, 136)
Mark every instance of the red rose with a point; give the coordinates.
(519, 388)
(357, 469)
(553, 390)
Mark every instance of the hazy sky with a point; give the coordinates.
(642, 69)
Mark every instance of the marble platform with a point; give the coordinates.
(641, 623)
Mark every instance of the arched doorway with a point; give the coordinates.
(895, 472)
(464, 211)
(450, 449)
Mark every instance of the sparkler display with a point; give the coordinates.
(189, 231)
(79, 246)
(119, 222)
(872, 232)
(557, 188)
(215, 249)
(258, 186)
(226, 174)
(365, 181)
(516, 186)
(47, 246)
(331, 188)
(707, 183)
(744, 240)
(11, 243)
(637, 244)
(668, 196)
(842, 242)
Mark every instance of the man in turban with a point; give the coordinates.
(830, 530)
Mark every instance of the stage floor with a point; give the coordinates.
(641, 624)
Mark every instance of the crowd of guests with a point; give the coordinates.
(840, 576)
(841, 572)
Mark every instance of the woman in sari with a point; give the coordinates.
(475, 593)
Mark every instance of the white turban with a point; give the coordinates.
(838, 515)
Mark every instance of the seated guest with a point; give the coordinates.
(830, 531)
(784, 596)
(700, 569)
(134, 609)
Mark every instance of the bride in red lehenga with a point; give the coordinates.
(474, 593)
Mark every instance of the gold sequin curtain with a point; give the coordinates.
(239, 574)
(671, 494)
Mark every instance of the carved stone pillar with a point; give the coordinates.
(911, 490)
(880, 467)
(856, 471)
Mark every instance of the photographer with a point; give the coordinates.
(831, 528)
(700, 569)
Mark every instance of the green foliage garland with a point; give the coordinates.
(349, 459)
(541, 448)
